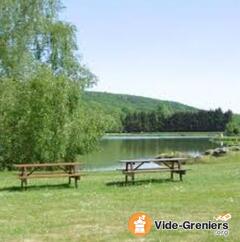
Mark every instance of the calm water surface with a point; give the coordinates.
(115, 148)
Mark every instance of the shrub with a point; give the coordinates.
(44, 120)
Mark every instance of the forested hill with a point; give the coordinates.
(119, 103)
(128, 113)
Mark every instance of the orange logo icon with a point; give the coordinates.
(140, 224)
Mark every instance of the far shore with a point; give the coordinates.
(165, 135)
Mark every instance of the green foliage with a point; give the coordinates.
(42, 115)
(232, 128)
(236, 118)
(141, 114)
(87, 127)
(213, 120)
(119, 105)
(44, 120)
(31, 35)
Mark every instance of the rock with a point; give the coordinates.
(209, 152)
(234, 148)
(220, 151)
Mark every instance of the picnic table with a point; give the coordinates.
(172, 165)
(31, 171)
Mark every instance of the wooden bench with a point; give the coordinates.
(171, 165)
(31, 171)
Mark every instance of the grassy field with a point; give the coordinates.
(99, 209)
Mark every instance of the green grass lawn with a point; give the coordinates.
(99, 209)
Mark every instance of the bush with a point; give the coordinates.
(232, 128)
(44, 120)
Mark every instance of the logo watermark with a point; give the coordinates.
(140, 224)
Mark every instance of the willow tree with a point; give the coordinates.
(42, 116)
(32, 34)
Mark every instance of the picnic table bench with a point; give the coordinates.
(31, 171)
(172, 165)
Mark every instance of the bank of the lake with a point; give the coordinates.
(167, 134)
(99, 209)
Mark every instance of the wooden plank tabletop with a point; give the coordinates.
(153, 160)
(46, 165)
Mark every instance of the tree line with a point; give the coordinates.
(156, 121)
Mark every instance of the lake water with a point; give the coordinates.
(115, 148)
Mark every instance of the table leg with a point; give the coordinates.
(69, 178)
(179, 168)
(76, 182)
(172, 168)
(131, 168)
(24, 181)
(126, 175)
(180, 176)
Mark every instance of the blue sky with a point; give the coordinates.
(182, 50)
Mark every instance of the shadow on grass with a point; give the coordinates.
(36, 187)
(139, 182)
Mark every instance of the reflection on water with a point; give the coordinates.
(112, 150)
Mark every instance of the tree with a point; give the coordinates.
(42, 115)
(32, 34)
(161, 114)
(213, 120)
(232, 128)
(44, 120)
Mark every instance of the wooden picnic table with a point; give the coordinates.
(30, 171)
(172, 165)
